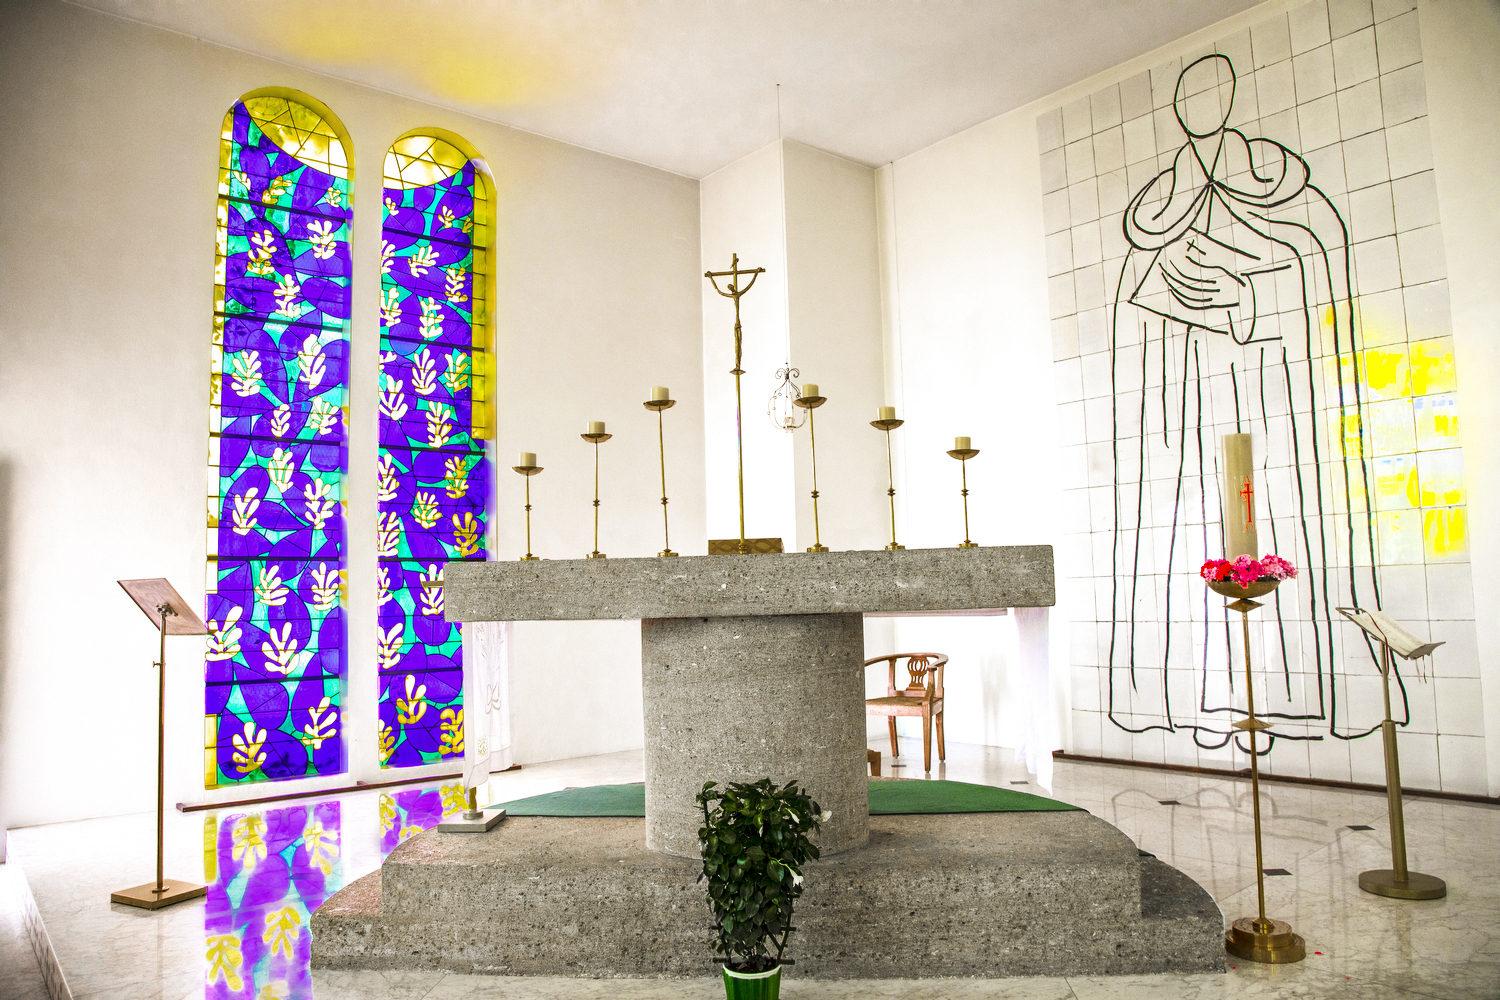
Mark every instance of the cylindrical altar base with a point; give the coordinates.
(745, 698)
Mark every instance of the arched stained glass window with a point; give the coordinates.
(434, 479)
(277, 446)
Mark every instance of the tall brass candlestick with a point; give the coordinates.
(528, 468)
(809, 401)
(660, 401)
(735, 292)
(1258, 938)
(596, 436)
(888, 423)
(963, 453)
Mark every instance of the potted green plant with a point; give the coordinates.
(755, 838)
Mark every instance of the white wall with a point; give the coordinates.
(1461, 49)
(970, 350)
(835, 320)
(108, 147)
(966, 361)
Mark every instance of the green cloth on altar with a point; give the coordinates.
(887, 798)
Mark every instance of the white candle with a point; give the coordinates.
(961, 444)
(659, 393)
(528, 459)
(887, 413)
(1239, 498)
(809, 389)
(596, 427)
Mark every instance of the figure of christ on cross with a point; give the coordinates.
(735, 291)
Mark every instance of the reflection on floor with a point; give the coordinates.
(267, 868)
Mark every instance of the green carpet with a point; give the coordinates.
(887, 798)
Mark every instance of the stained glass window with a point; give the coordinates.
(434, 479)
(277, 447)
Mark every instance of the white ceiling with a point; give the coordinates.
(689, 85)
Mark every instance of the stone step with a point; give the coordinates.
(980, 894)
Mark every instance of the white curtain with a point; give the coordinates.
(486, 700)
(1039, 728)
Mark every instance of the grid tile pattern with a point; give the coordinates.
(1325, 334)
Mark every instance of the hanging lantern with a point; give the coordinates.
(784, 415)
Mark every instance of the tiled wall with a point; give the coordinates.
(1349, 396)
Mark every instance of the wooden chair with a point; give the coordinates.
(922, 696)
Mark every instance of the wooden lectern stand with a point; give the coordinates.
(170, 613)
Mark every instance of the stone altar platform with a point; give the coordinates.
(978, 894)
(753, 666)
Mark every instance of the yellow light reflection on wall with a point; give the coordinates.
(1445, 534)
(1436, 420)
(1432, 367)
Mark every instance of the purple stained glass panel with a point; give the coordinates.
(274, 603)
(433, 474)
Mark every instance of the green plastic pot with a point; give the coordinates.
(752, 985)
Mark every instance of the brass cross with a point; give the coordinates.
(733, 274)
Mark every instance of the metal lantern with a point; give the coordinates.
(782, 410)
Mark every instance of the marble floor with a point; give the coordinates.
(268, 867)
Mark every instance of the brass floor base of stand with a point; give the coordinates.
(666, 552)
(1383, 882)
(817, 548)
(893, 546)
(1276, 947)
(596, 555)
(482, 821)
(968, 545)
(147, 898)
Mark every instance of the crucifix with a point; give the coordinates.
(735, 291)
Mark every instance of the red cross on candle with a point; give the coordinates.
(1247, 494)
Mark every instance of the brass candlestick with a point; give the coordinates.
(963, 455)
(735, 292)
(889, 424)
(596, 438)
(528, 471)
(810, 403)
(658, 405)
(1397, 881)
(1259, 938)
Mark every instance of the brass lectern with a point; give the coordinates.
(172, 616)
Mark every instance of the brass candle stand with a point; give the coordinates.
(810, 403)
(1397, 881)
(889, 424)
(1258, 938)
(528, 471)
(596, 438)
(661, 441)
(963, 455)
(735, 292)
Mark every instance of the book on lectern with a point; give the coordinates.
(1383, 628)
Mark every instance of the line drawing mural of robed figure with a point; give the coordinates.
(1233, 314)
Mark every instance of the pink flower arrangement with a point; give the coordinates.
(1245, 571)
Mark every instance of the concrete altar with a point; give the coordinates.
(753, 666)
